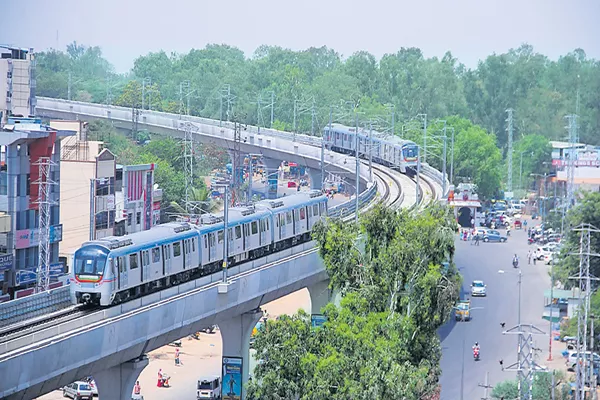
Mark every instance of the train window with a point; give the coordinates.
(238, 232)
(254, 228)
(146, 258)
(155, 255)
(211, 239)
(133, 261)
(193, 244)
(282, 219)
(220, 236)
(322, 207)
(267, 224)
(288, 217)
(337, 136)
(176, 249)
(303, 213)
(310, 213)
(315, 209)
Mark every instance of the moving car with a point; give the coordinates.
(478, 289)
(493, 236)
(209, 387)
(463, 310)
(78, 391)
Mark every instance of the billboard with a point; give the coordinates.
(6, 261)
(30, 237)
(317, 320)
(27, 276)
(232, 378)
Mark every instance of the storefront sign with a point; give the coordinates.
(6, 261)
(232, 378)
(30, 237)
(317, 320)
(27, 276)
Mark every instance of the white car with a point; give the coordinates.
(478, 288)
(78, 391)
(544, 251)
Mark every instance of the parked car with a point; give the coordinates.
(494, 236)
(572, 360)
(544, 251)
(78, 391)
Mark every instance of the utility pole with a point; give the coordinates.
(294, 121)
(357, 168)
(551, 308)
(526, 366)
(585, 286)
(225, 94)
(69, 87)
(417, 191)
(371, 151)
(424, 137)
(323, 147)
(452, 157)
(272, 107)
(312, 118)
(182, 105)
(44, 203)
(444, 176)
(225, 233)
(572, 128)
(188, 158)
(486, 386)
(509, 129)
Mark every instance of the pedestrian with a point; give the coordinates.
(529, 257)
(177, 361)
(477, 239)
(535, 257)
(472, 223)
(137, 389)
(160, 375)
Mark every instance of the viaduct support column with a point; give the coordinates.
(272, 176)
(320, 296)
(235, 333)
(117, 382)
(316, 178)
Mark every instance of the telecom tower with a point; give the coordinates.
(509, 130)
(44, 203)
(526, 366)
(236, 165)
(572, 128)
(585, 287)
(188, 159)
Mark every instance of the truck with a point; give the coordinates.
(462, 311)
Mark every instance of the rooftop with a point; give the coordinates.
(22, 132)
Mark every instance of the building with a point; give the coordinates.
(17, 83)
(22, 144)
(587, 165)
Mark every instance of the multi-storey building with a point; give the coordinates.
(17, 83)
(22, 145)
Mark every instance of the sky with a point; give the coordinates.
(470, 29)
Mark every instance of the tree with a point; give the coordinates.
(542, 387)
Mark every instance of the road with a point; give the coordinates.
(484, 262)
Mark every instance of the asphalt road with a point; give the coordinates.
(484, 262)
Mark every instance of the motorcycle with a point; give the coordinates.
(164, 380)
(476, 354)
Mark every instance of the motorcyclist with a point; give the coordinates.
(476, 350)
(516, 261)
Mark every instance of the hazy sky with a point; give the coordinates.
(471, 29)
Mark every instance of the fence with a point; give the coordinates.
(34, 305)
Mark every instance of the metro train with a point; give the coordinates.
(115, 269)
(387, 150)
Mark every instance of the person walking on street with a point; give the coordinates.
(177, 362)
(477, 239)
(529, 257)
(137, 389)
(535, 256)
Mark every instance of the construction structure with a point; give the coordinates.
(17, 83)
(24, 144)
(584, 372)
(44, 202)
(526, 366)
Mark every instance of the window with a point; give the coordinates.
(28, 187)
(205, 241)
(193, 244)
(220, 235)
(133, 261)
(288, 217)
(138, 218)
(267, 223)
(303, 213)
(146, 257)
(3, 180)
(316, 209)
(176, 249)
(129, 217)
(238, 232)
(254, 228)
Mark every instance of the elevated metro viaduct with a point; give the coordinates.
(275, 146)
(111, 344)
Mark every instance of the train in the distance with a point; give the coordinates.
(115, 269)
(387, 150)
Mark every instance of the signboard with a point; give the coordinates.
(6, 261)
(317, 320)
(232, 378)
(30, 237)
(578, 163)
(27, 276)
(110, 202)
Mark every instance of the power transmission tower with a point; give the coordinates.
(526, 366)
(226, 96)
(188, 159)
(509, 130)
(236, 165)
(572, 128)
(44, 203)
(182, 105)
(135, 119)
(486, 386)
(585, 289)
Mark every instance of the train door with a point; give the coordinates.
(122, 278)
(166, 258)
(282, 230)
(263, 232)
(185, 256)
(212, 246)
(296, 221)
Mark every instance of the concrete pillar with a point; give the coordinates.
(117, 382)
(315, 177)
(272, 176)
(320, 296)
(235, 333)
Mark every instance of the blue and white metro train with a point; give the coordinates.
(387, 150)
(116, 269)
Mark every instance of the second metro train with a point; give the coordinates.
(386, 150)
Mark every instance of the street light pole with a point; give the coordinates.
(418, 176)
(551, 307)
(357, 169)
(225, 233)
(452, 157)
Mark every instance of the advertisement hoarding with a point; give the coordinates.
(30, 237)
(6, 261)
(317, 320)
(232, 378)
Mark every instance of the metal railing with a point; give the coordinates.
(34, 305)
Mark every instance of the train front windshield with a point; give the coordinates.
(410, 152)
(90, 262)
